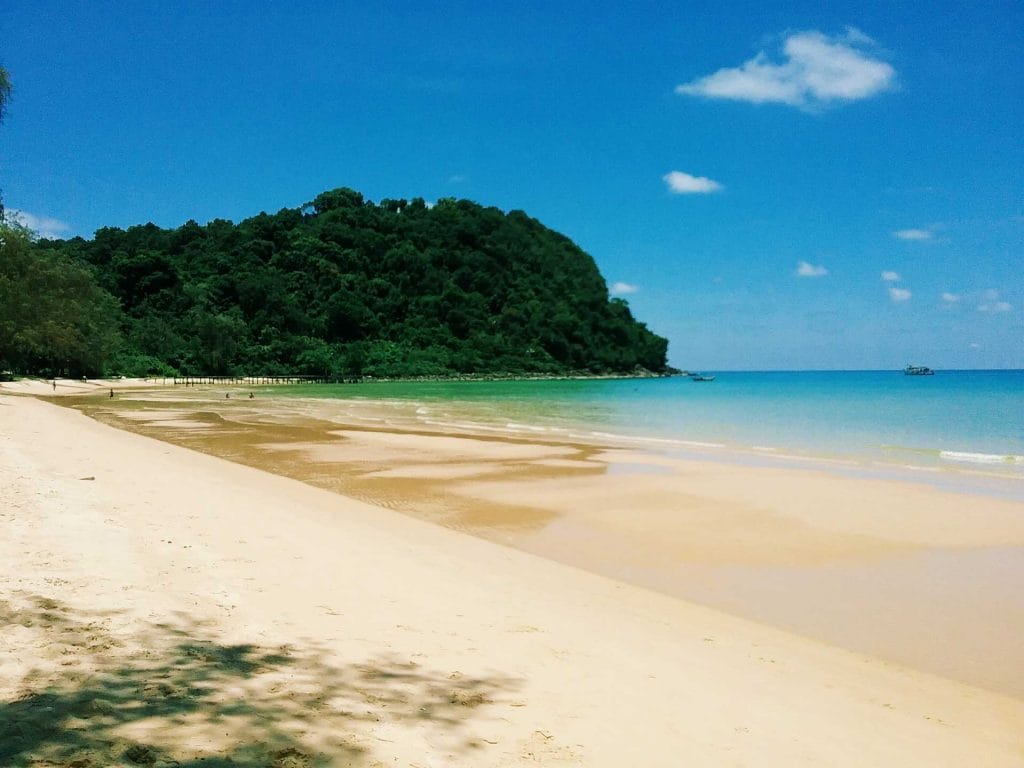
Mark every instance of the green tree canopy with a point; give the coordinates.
(53, 315)
(342, 286)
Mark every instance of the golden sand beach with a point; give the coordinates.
(359, 594)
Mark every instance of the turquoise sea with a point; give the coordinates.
(966, 422)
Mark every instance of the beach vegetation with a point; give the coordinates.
(54, 317)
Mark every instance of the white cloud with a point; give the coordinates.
(816, 70)
(995, 306)
(913, 234)
(890, 277)
(899, 294)
(680, 183)
(990, 302)
(950, 298)
(621, 289)
(803, 269)
(43, 226)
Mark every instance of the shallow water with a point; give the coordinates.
(968, 421)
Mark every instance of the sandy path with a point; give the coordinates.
(178, 606)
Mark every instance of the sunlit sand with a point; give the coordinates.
(214, 610)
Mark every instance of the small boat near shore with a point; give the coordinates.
(918, 370)
(700, 377)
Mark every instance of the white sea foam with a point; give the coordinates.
(691, 443)
(530, 427)
(981, 458)
(909, 467)
(659, 441)
(464, 425)
(673, 442)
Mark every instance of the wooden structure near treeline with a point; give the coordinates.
(192, 381)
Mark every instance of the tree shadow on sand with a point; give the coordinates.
(172, 695)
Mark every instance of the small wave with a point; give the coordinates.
(688, 443)
(656, 440)
(672, 442)
(981, 458)
(910, 449)
(810, 458)
(530, 427)
(469, 426)
(908, 467)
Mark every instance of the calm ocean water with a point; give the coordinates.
(966, 420)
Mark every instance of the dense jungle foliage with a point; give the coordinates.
(341, 287)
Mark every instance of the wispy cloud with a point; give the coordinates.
(913, 234)
(680, 183)
(899, 294)
(890, 277)
(804, 269)
(621, 289)
(815, 70)
(950, 298)
(43, 226)
(996, 306)
(991, 302)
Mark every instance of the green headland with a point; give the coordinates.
(340, 287)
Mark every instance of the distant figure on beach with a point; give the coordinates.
(227, 395)
(251, 395)
(111, 391)
(54, 385)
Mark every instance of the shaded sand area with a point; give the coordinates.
(165, 607)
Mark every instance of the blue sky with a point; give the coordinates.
(794, 186)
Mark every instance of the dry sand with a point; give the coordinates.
(163, 605)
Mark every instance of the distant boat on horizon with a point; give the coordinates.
(700, 377)
(918, 370)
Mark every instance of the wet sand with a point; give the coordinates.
(906, 572)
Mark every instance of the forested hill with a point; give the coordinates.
(345, 287)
